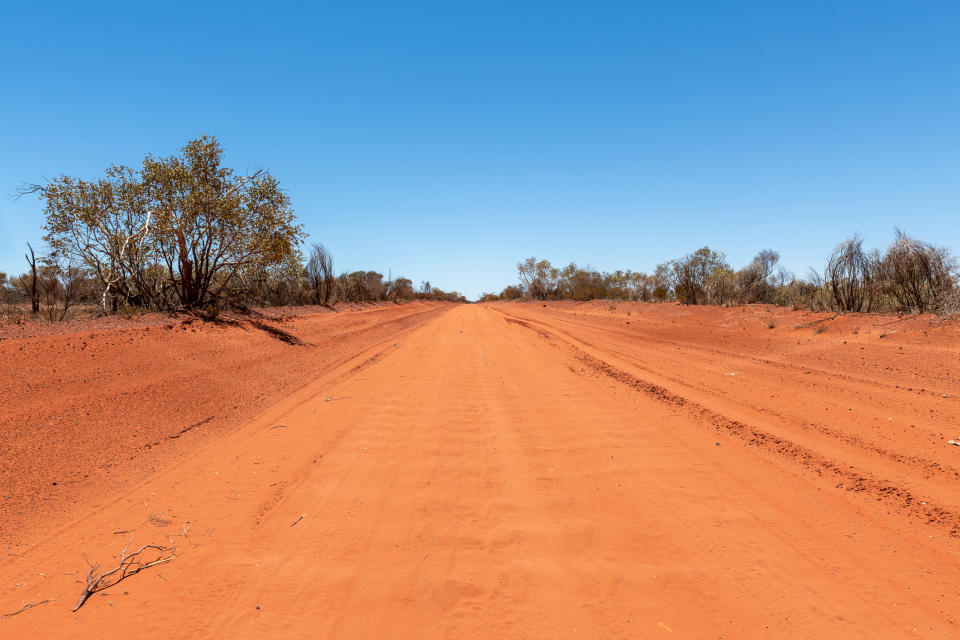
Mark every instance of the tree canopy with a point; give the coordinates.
(182, 231)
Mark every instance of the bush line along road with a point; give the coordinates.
(496, 470)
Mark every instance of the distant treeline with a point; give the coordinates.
(910, 276)
(181, 232)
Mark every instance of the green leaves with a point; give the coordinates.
(176, 233)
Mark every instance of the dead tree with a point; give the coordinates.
(849, 276)
(130, 564)
(916, 274)
(60, 286)
(33, 289)
(320, 274)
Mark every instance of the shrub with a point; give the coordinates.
(849, 276)
(689, 273)
(949, 304)
(916, 275)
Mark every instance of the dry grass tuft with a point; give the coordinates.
(158, 520)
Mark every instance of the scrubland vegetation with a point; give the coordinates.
(186, 233)
(910, 276)
(180, 233)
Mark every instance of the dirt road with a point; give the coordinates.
(526, 471)
(91, 407)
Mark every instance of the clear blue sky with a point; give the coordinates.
(449, 140)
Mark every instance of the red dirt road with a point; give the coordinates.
(517, 470)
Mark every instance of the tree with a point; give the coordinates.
(511, 292)
(60, 286)
(355, 287)
(537, 278)
(720, 286)
(916, 274)
(641, 286)
(849, 276)
(582, 284)
(30, 283)
(204, 224)
(662, 281)
(320, 274)
(687, 274)
(210, 223)
(374, 285)
(102, 225)
(400, 289)
(755, 281)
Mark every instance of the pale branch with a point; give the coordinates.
(29, 605)
(143, 233)
(130, 564)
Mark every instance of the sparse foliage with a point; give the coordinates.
(400, 289)
(537, 278)
(180, 232)
(320, 274)
(183, 232)
(755, 281)
(912, 276)
(688, 274)
(61, 286)
(849, 276)
(915, 274)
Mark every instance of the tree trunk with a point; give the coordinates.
(34, 293)
(34, 288)
(187, 284)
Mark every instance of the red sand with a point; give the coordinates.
(558, 470)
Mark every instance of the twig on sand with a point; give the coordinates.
(29, 605)
(130, 564)
(298, 519)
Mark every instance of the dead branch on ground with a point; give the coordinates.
(29, 605)
(130, 564)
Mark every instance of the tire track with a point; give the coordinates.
(843, 476)
(928, 468)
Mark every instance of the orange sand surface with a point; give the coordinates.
(597, 470)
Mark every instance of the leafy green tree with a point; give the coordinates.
(538, 278)
(211, 223)
(202, 222)
(721, 286)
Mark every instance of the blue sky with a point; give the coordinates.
(449, 140)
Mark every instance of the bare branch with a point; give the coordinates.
(29, 605)
(129, 565)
